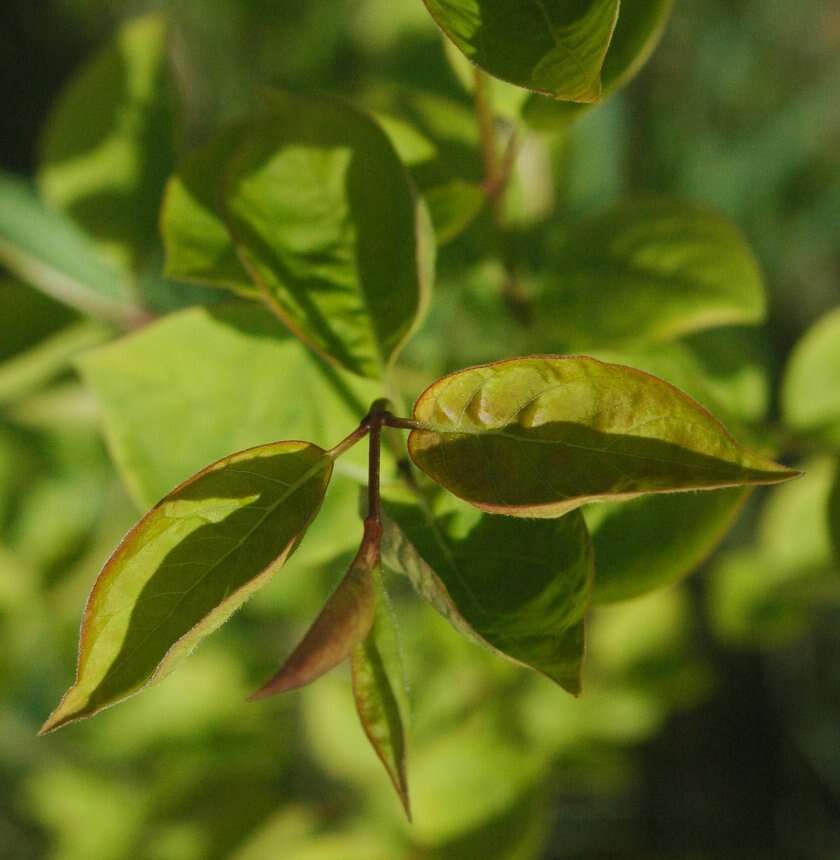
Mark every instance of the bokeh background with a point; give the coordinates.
(710, 725)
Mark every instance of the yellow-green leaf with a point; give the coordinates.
(542, 435)
(192, 561)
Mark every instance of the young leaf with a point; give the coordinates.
(325, 219)
(640, 26)
(197, 384)
(519, 588)
(380, 692)
(554, 48)
(109, 143)
(650, 270)
(45, 249)
(542, 435)
(453, 207)
(654, 541)
(185, 568)
(810, 393)
(342, 624)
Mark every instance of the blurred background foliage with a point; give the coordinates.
(710, 723)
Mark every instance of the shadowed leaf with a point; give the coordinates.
(380, 692)
(542, 435)
(188, 565)
(518, 587)
(549, 46)
(650, 270)
(640, 26)
(325, 219)
(110, 141)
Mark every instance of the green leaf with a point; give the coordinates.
(46, 250)
(462, 562)
(453, 207)
(109, 142)
(834, 513)
(379, 690)
(810, 393)
(198, 246)
(340, 627)
(542, 435)
(641, 24)
(650, 270)
(185, 568)
(556, 48)
(325, 219)
(200, 383)
(654, 541)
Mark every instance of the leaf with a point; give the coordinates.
(109, 141)
(542, 435)
(650, 270)
(519, 588)
(810, 393)
(198, 246)
(453, 207)
(46, 250)
(654, 541)
(556, 48)
(834, 513)
(324, 218)
(379, 691)
(340, 627)
(185, 568)
(641, 24)
(186, 390)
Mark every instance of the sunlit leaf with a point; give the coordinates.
(198, 246)
(810, 392)
(192, 561)
(325, 219)
(341, 626)
(650, 270)
(46, 250)
(556, 48)
(379, 690)
(519, 588)
(542, 435)
(640, 26)
(109, 142)
(651, 542)
(203, 382)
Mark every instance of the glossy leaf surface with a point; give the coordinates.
(109, 142)
(343, 623)
(325, 219)
(519, 588)
(379, 689)
(810, 392)
(192, 561)
(640, 26)
(651, 270)
(48, 251)
(200, 383)
(542, 435)
(555, 47)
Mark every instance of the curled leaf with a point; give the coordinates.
(542, 435)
